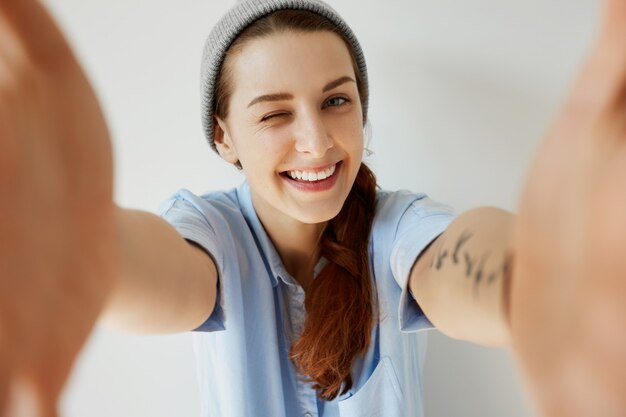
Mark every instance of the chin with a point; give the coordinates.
(316, 217)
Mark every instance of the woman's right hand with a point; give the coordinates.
(568, 291)
(57, 249)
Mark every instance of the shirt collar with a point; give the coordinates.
(260, 235)
(264, 242)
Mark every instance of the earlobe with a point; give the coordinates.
(223, 142)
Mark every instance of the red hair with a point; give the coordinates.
(340, 302)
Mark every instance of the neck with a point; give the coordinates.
(297, 243)
(298, 247)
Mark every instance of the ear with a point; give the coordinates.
(224, 142)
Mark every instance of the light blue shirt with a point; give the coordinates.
(242, 348)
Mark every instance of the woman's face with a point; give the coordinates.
(294, 107)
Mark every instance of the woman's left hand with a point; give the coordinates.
(58, 234)
(568, 290)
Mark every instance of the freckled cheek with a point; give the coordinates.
(269, 152)
(348, 128)
(353, 139)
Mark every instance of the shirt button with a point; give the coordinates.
(308, 415)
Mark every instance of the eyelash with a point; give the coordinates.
(345, 100)
(272, 116)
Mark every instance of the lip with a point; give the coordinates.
(313, 169)
(314, 186)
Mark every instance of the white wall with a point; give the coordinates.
(461, 92)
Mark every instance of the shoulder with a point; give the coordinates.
(224, 200)
(210, 219)
(214, 220)
(388, 201)
(211, 206)
(401, 209)
(404, 225)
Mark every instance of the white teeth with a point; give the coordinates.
(312, 176)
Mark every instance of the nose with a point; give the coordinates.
(312, 135)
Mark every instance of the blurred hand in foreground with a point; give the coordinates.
(568, 294)
(57, 255)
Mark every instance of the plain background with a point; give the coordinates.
(461, 94)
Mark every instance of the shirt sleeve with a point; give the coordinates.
(194, 218)
(422, 222)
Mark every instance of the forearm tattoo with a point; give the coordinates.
(474, 265)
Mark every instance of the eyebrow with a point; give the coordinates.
(287, 96)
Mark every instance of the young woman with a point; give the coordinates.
(306, 284)
(311, 260)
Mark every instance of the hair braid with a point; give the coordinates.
(340, 301)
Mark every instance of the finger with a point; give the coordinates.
(5, 373)
(611, 56)
(43, 395)
(4, 389)
(600, 89)
(47, 401)
(22, 400)
(27, 399)
(614, 20)
(48, 381)
(8, 158)
(11, 50)
(33, 25)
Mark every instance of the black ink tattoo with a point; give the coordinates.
(470, 264)
(438, 263)
(504, 272)
(464, 238)
(474, 268)
(479, 273)
(435, 258)
(507, 270)
(441, 257)
(506, 267)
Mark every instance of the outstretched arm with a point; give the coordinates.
(461, 280)
(66, 251)
(566, 302)
(164, 284)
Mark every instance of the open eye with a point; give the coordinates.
(336, 101)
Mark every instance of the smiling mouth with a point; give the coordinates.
(311, 177)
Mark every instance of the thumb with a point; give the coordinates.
(614, 20)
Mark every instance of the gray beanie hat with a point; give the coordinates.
(235, 21)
